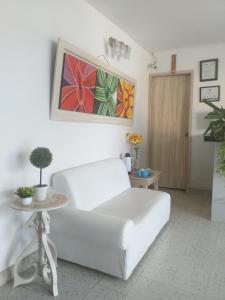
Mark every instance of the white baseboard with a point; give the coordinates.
(199, 192)
(7, 274)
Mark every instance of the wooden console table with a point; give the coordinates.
(145, 182)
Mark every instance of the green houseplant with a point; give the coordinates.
(41, 158)
(216, 129)
(216, 132)
(25, 193)
(221, 160)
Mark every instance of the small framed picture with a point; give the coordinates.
(209, 69)
(210, 93)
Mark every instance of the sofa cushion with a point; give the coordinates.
(94, 227)
(90, 185)
(137, 205)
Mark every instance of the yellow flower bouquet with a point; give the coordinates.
(135, 138)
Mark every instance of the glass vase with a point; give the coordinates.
(135, 156)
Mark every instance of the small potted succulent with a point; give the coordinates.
(41, 158)
(25, 193)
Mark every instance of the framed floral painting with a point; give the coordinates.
(87, 90)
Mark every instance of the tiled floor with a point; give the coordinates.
(187, 261)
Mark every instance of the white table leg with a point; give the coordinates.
(46, 265)
(156, 185)
(49, 268)
(18, 279)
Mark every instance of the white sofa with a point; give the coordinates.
(109, 225)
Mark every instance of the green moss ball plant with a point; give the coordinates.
(41, 158)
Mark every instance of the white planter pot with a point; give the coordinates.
(26, 201)
(40, 192)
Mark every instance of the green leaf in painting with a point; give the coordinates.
(112, 108)
(100, 108)
(100, 94)
(105, 108)
(105, 89)
(112, 83)
(101, 75)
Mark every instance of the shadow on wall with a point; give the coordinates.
(18, 164)
(12, 230)
(53, 49)
(201, 163)
(19, 160)
(201, 122)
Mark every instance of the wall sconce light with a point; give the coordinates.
(119, 48)
(154, 64)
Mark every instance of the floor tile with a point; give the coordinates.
(186, 262)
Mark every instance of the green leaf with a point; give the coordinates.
(112, 83)
(101, 76)
(223, 112)
(218, 129)
(217, 124)
(105, 109)
(106, 87)
(221, 160)
(112, 108)
(100, 108)
(109, 80)
(212, 115)
(211, 105)
(100, 94)
(208, 128)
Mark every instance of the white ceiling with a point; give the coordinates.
(166, 24)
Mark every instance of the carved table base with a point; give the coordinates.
(47, 262)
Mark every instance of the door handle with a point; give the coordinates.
(186, 134)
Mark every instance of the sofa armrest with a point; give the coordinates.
(110, 231)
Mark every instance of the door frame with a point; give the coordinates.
(191, 74)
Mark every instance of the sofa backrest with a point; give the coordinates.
(90, 185)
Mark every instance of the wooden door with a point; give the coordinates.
(169, 126)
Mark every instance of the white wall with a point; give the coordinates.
(29, 31)
(202, 152)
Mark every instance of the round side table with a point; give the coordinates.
(47, 253)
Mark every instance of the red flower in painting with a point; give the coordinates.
(79, 79)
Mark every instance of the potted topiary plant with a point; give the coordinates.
(41, 158)
(25, 193)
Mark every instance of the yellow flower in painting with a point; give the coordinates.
(125, 96)
(134, 138)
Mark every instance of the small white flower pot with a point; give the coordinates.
(26, 201)
(40, 192)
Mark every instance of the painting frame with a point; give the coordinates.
(58, 114)
(201, 91)
(209, 65)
